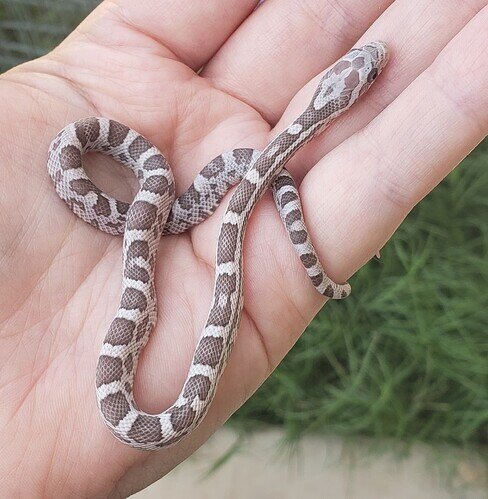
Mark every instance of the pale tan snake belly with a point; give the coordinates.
(154, 212)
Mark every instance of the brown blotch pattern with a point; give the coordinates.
(288, 197)
(341, 66)
(155, 162)
(139, 146)
(227, 243)
(114, 408)
(352, 80)
(243, 156)
(181, 417)
(224, 287)
(156, 184)
(372, 50)
(214, 168)
(283, 181)
(317, 279)
(145, 429)
(120, 332)
(189, 198)
(298, 236)
(311, 115)
(138, 248)
(83, 186)
(142, 215)
(241, 196)
(197, 385)
(282, 143)
(133, 299)
(358, 62)
(70, 158)
(209, 351)
(109, 369)
(308, 260)
(292, 217)
(87, 130)
(136, 273)
(116, 225)
(122, 207)
(102, 206)
(117, 133)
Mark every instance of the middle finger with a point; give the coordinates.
(413, 45)
(284, 44)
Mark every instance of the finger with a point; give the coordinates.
(284, 44)
(437, 21)
(376, 177)
(190, 31)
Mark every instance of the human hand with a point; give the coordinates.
(60, 278)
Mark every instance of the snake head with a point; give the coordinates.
(349, 78)
(379, 57)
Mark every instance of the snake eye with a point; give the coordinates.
(372, 75)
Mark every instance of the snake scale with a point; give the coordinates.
(155, 212)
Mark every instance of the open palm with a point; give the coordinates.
(197, 79)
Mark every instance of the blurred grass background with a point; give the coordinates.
(406, 356)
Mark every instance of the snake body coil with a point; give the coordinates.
(154, 211)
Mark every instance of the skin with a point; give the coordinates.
(135, 62)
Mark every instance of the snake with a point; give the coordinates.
(155, 211)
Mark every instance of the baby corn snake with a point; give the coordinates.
(155, 212)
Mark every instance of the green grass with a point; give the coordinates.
(29, 28)
(406, 356)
